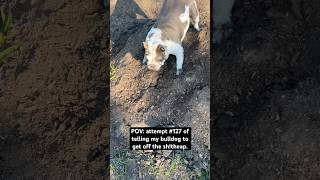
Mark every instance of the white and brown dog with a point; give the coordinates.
(166, 36)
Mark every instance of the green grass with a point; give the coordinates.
(204, 175)
(118, 165)
(5, 27)
(6, 52)
(6, 19)
(176, 168)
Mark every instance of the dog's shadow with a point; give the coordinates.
(129, 26)
(127, 7)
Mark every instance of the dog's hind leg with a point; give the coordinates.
(194, 14)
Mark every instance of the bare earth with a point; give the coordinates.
(53, 92)
(266, 93)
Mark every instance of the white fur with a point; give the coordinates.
(184, 17)
(172, 48)
(153, 42)
(156, 33)
(175, 49)
(196, 21)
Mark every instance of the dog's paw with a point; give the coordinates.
(197, 28)
(144, 61)
(179, 72)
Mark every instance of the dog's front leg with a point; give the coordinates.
(179, 56)
(144, 60)
(194, 14)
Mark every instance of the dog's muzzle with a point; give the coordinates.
(153, 67)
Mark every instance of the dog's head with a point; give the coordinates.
(155, 55)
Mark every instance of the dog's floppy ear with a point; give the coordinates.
(145, 45)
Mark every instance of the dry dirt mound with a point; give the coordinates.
(54, 92)
(158, 98)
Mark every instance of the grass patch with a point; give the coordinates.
(118, 165)
(204, 175)
(177, 168)
(5, 27)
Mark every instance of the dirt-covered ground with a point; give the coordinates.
(53, 92)
(158, 98)
(266, 92)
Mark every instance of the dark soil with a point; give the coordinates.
(266, 93)
(53, 92)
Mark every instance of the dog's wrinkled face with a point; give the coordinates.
(155, 55)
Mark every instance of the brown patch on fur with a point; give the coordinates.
(145, 45)
(161, 51)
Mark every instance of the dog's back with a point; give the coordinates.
(171, 21)
(172, 8)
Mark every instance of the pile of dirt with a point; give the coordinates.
(266, 93)
(53, 92)
(158, 98)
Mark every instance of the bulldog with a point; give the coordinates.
(167, 34)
